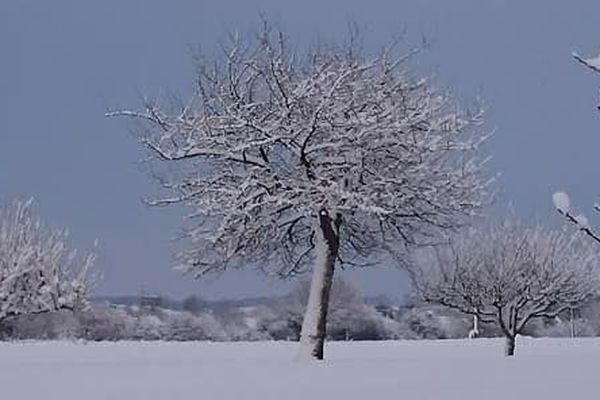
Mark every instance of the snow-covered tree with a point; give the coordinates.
(561, 199)
(38, 271)
(293, 160)
(507, 275)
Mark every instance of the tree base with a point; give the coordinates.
(509, 346)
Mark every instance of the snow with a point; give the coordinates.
(561, 201)
(594, 62)
(582, 221)
(449, 370)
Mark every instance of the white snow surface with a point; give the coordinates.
(447, 370)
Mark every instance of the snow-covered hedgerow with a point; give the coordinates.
(279, 319)
(350, 318)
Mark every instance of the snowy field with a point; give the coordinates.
(447, 370)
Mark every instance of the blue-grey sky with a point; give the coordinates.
(64, 63)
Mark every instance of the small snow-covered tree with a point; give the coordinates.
(291, 161)
(38, 272)
(507, 275)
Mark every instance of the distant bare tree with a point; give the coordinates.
(508, 275)
(38, 272)
(292, 160)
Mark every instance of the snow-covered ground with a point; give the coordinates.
(446, 370)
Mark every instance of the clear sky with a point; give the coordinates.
(64, 63)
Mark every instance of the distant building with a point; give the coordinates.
(389, 311)
(150, 302)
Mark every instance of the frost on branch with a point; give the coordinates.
(563, 206)
(591, 63)
(38, 272)
(507, 275)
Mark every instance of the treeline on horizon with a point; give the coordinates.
(353, 317)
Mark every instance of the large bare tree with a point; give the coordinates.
(507, 274)
(38, 271)
(291, 160)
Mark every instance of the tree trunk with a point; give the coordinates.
(312, 338)
(509, 349)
